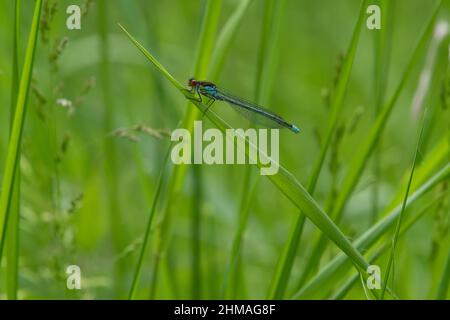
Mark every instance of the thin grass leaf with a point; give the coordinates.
(328, 275)
(347, 286)
(226, 36)
(436, 158)
(111, 154)
(267, 58)
(12, 241)
(15, 140)
(383, 44)
(202, 62)
(402, 212)
(146, 240)
(286, 260)
(359, 162)
(289, 186)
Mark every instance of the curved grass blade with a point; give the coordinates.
(12, 248)
(146, 240)
(202, 62)
(264, 77)
(225, 37)
(321, 282)
(15, 140)
(286, 260)
(402, 212)
(288, 185)
(362, 156)
(347, 286)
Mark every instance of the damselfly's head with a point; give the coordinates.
(192, 82)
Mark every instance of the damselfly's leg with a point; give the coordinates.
(195, 90)
(209, 104)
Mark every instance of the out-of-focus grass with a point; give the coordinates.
(291, 188)
(366, 148)
(12, 234)
(283, 272)
(280, 53)
(12, 159)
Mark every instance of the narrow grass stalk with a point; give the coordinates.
(12, 256)
(223, 45)
(196, 231)
(362, 156)
(202, 63)
(286, 260)
(110, 160)
(382, 39)
(433, 160)
(226, 36)
(347, 286)
(12, 158)
(286, 183)
(267, 58)
(402, 212)
(328, 275)
(146, 240)
(244, 210)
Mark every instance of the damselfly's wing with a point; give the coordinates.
(254, 113)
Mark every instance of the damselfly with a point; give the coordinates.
(251, 111)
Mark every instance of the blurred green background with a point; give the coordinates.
(87, 189)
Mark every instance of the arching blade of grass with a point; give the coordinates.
(146, 240)
(362, 156)
(12, 158)
(202, 63)
(225, 37)
(322, 282)
(223, 44)
(265, 74)
(383, 44)
(347, 286)
(433, 160)
(12, 248)
(286, 260)
(284, 180)
(402, 212)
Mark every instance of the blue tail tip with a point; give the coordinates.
(295, 129)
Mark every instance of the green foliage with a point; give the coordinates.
(87, 179)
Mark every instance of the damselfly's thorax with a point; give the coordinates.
(199, 84)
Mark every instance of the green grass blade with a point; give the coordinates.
(152, 59)
(12, 157)
(111, 154)
(383, 44)
(146, 240)
(345, 288)
(267, 58)
(293, 190)
(362, 156)
(286, 260)
(12, 241)
(202, 63)
(226, 36)
(402, 212)
(321, 282)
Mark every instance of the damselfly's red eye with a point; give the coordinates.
(192, 82)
